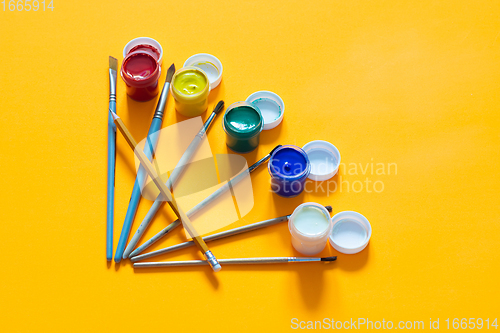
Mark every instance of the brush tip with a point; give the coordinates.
(170, 73)
(329, 258)
(274, 149)
(329, 208)
(113, 63)
(219, 107)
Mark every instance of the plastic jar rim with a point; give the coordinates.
(242, 133)
(185, 97)
(299, 176)
(142, 82)
(325, 233)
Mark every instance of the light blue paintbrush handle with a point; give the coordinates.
(149, 147)
(140, 231)
(111, 182)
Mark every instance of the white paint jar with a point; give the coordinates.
(310, 226)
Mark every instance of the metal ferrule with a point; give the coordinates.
(259, 162)
(212, 261)
(209, 121)
(162, 102)
(112, 85)
(205, 126)
(298, 259)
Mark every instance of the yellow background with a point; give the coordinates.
(412, 83)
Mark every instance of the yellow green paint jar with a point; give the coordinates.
(190, 88)
(242, 123)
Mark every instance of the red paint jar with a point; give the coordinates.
(141, 71)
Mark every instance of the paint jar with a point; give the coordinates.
(144, 44)
(289, 167)
(140, 72)
(351, 232)
(190, 88)
(310, 226)
(242, 123)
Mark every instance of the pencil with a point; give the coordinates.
(166, 193)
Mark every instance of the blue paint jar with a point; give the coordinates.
(289, 168)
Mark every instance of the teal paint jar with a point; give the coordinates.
(242, 123)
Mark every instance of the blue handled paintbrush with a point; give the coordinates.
(113, 65)
(152, 140)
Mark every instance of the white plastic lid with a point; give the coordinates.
(271, 107)
(209, 64)
(324, 158)
(351, 232)
(143, 40)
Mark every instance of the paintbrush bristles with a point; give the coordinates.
(272, 151)
(329, 208)
(170, 73)
(219, 107)
(329, 258)
(113, 63)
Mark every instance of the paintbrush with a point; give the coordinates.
(113, 66)
(220, 235)
(235, 261)
(174, 177)
(149, 148)
(165, 192)
(223, 189)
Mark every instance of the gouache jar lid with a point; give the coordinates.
(351, 232)
(135, 43)
(242, 120)
(209, 64)
(270, 105)
(324, 158)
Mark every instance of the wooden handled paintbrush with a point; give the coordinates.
(165, 192)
